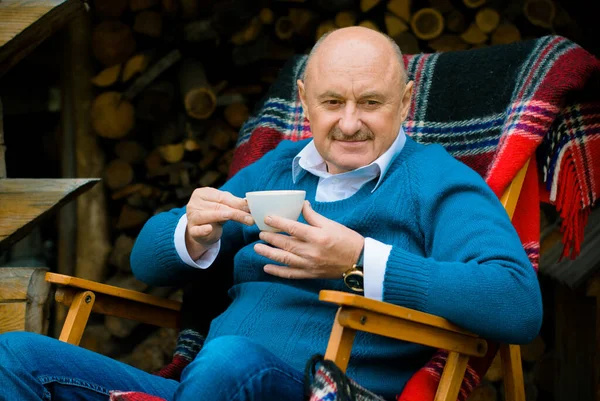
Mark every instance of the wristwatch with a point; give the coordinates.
(354, 277)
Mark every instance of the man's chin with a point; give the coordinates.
(348, 165)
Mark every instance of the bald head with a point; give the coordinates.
(355, 96)
(356, 43)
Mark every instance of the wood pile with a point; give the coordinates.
(538, 365)
(174, 80)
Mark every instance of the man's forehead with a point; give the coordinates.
(360, 59)
(352, 81)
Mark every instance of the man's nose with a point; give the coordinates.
(350, 121)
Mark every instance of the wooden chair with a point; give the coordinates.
(355, 313)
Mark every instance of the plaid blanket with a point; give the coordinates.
(492, 108)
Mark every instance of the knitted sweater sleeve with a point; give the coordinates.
(154, 259)
(475, 272)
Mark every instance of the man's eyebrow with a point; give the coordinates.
(330, 94)
(372, 95)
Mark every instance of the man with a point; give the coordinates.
(424, 230)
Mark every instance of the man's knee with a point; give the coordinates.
(236, 366)
(19, 341)
(231, 355)
(19, 346)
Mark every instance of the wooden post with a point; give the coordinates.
(24, 296)
(573, 339)
(89, 229)
(2, 147)
(593, 290)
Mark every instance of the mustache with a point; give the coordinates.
(362, 134)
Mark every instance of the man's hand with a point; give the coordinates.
(320, 249)
(207, 210)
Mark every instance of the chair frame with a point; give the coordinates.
(355, 313)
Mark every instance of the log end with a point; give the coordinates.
(200, 103)
(427, 23)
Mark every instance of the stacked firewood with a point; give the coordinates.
(175, 80)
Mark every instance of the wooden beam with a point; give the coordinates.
(27, 23)
(2, 147)
(82, 157)
(24, 202)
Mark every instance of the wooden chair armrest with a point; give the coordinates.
(98, 288)
(359, 302)
(114, 301)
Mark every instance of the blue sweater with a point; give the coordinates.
(454, 254)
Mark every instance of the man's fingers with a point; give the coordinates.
(287, 272)
(312, 217)
(292, 227)
(281, 256)
(285, 242)
(200, 231)
(219, 215)
(224, 198)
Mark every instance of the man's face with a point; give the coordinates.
(355, 108)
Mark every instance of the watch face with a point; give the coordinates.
(355, 281)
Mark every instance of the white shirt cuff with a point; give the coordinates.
(375, 262)
(205, 260)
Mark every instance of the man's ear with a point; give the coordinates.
(406, 99)
(302, 93)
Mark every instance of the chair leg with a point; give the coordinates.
(514, 385)
(77, 317)
(340, 344)
(452, 377)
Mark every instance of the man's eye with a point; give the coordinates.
(332, 102)
(371, 102)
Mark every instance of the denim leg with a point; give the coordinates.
(233, 368)
(36, 367)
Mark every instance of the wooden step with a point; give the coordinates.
(25, 202)
(24, 24)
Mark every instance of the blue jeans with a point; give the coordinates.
(229, 368)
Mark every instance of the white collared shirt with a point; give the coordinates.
(331, 188)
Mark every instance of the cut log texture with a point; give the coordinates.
(540, 12)
(456, 22)
(135, 65)
(367, 5)
(395, 25)
(198, 97)
(284, 29)
(112, 42)
(118, 174)
(107, 76)
(345, 19)
(112, 116)
(427, 23)
(324, 27)
(149, 23)
(448, 42)
(369, 24)
(487, 20)
(402, 8)
(505, 33)
(109, 8)
(474, 35)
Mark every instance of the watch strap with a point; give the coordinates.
(361, 259)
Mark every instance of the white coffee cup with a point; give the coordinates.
(286, 204)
